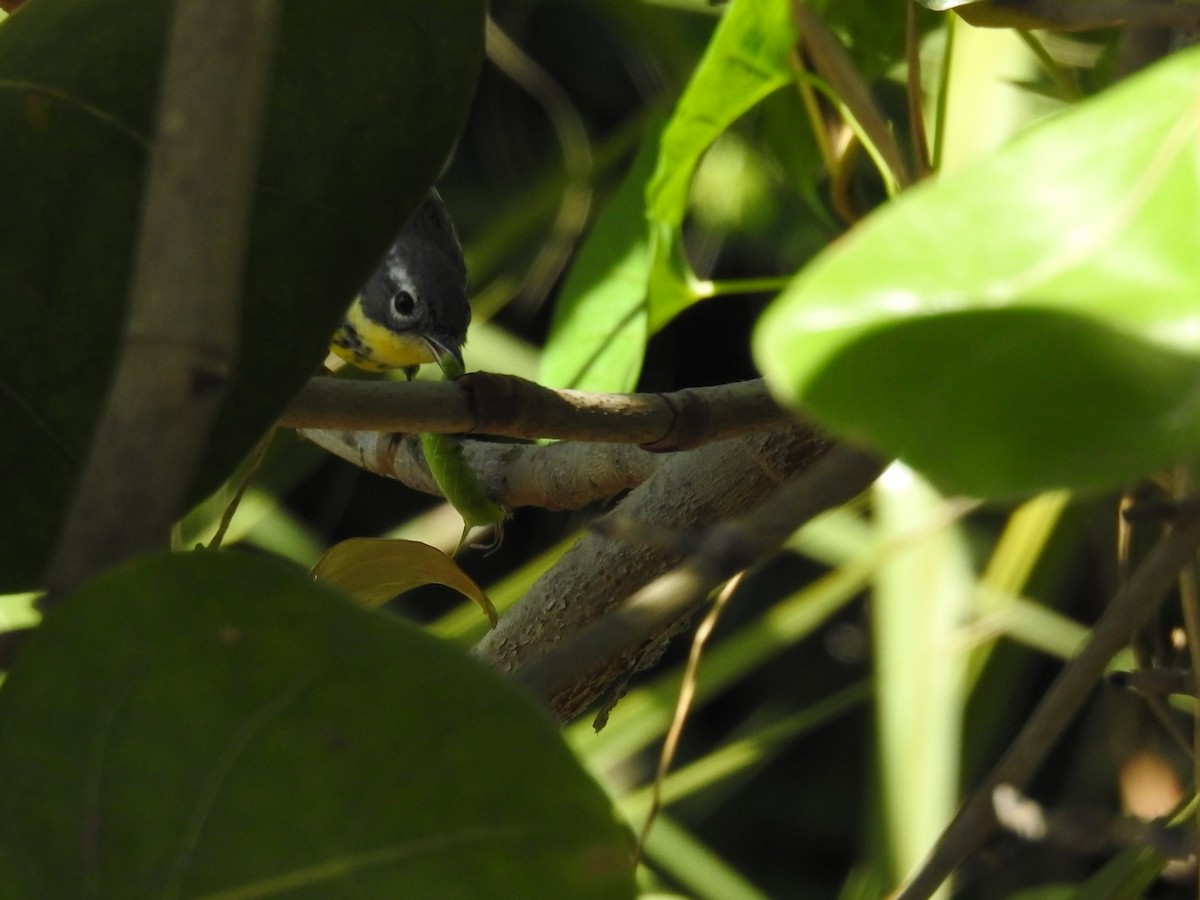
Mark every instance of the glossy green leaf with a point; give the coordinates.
(746, 60)
(214, 725)
(598, 334)
(364, 107)
(374, 570)
(1026, 323)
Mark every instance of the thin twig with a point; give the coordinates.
(916, 91)
(1189, 600)
(943, 96)
(831, 61)
(683, 707)
(249, 470)
(1147, 680)
(1156, 683)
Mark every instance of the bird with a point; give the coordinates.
(414, 308)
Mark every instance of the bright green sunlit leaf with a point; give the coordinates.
(746, 61)
(1028, 322)
(598, 335)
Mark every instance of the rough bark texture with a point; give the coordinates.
(691, 489)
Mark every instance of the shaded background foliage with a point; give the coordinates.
(795, 822)
(803, 817)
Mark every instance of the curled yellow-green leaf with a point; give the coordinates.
(374, 570)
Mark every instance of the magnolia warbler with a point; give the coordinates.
(414, 308)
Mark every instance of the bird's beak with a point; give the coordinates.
(448, 356)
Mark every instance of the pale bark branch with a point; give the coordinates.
(558, 476)
(720, 552)
(692, 489)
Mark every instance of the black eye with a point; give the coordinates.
(403, 303)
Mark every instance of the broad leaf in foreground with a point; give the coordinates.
(1027, 323)
(213, 725)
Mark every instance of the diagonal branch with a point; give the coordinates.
(721, 551)
(690, 490)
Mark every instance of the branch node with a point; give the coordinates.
(689, 422)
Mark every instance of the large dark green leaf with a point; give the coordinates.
(1029, 322)
(367, 99)
(212, 725)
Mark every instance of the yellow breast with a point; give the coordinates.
(369, 345)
